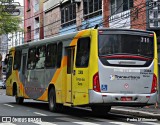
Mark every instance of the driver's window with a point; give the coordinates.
(9, 66)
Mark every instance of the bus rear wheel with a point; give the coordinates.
(19, 100)
(101, 109)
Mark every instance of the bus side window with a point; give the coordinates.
(83, 51)
(51, 56)
(59, 54)
(31, 58)
(40, 57)
(17, 60)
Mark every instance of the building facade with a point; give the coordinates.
(17, 38)
(33, 20)
(3, 45)
(125, 14)
(64, 16)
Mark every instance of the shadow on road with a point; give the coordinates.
(84, 113)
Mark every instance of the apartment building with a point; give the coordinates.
(33, 20)
(64, 16)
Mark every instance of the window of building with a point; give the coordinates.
(156, 23)
(150, 12)
(155, 14)
(118, 6)
(59, 54)
(31, 58)
(92, 8)
(68, 14)
(113, 7)
(28, 5)
(83, 50)
(29, 33)
(36, 5)
(127, 4)
(36, 27)
(51, 56)
(151, 21)
(40, 57)
(17, 60)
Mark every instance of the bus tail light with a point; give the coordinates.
(96, 84)
(154, 84)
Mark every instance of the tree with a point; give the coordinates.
(8, 23)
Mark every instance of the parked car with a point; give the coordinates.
(2, 84)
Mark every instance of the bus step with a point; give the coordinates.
(68, 104)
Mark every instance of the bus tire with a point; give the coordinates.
(53, 106)
(19, 100)
(102, 110)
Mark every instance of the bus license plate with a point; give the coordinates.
(126, 98)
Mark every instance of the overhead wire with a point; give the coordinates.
(103, 22)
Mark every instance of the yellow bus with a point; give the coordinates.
(97, 68)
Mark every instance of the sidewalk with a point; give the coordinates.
(150, 112)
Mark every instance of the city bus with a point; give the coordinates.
(96, 68)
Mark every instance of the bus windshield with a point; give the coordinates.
(125, 44)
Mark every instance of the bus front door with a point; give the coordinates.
(70, 60)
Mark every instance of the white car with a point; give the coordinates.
(2, 84)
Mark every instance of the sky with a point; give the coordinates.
(20, 1)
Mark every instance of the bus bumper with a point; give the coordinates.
(116, 99)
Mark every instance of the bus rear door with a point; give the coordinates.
(70, 59)
(81, 72)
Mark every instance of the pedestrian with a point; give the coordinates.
(156, 105)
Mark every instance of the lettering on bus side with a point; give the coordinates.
(80, 81)
(146, 73)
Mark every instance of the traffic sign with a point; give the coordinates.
(10, 8)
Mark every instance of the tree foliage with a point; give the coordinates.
(8, 23)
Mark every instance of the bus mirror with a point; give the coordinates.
(6, 61)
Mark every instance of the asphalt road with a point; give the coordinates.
(36, 112)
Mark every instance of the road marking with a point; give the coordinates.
(9, 105)
(44, 123)
(76, 121)
(100, 119)
(40, 113)
(151, 123)
(86, 123)
(121, 123)
(7, 124)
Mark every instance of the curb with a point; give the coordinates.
(136, 113)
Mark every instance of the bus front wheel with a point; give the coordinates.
(19, 100)
(52, 100)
